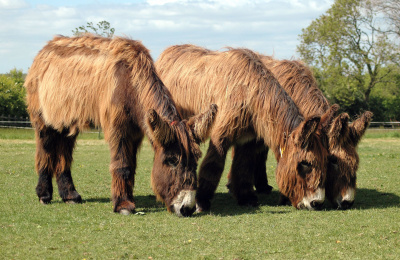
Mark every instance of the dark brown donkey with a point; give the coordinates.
(111, 83)
(251, 105)
(298, 81)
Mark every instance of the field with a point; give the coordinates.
(29, 230)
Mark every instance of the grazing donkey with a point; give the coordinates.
(252, 105)
(111, 83)
(298, 81)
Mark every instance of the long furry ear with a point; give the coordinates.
(305, 130)
(327, 118)
(339, 129)
(359, 126)
(201, 124)
(159, 128)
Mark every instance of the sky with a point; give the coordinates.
(271, 27)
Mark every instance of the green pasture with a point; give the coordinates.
(29, 230)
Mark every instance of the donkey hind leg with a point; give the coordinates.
(210, 174)
(52, 159)
(66, 187)
(260, 169)
(44, 163)
(123, 149)
(242, 173)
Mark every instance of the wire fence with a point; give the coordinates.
(23, 122)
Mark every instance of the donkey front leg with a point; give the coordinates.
(260, 169)
(241, 175)
(210, 174)
(122, 168)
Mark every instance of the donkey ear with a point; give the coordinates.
(201, 124)
(327, 118)
(339, 128)
(305, 130)
(160, 130)
(358, 127)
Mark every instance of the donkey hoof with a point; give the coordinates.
(264, 189)
(74, 200)
(45, 201)
(203, 206)
(125, 212)
(248, 201)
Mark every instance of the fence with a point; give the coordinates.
(13, 122)
(385, 125)
(23, 122)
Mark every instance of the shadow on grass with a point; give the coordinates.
(373, 199)
(96, 200)
(370, 199)
(224, 204)
(144, 204)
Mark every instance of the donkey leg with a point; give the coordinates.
(242, 173)
(66, 187)
(254, 156)
(260, 169)
(44, 161)
(210, 174)
(122, 168)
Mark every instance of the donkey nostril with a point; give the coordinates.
(186, 211)
(316, 204)
(346, 204)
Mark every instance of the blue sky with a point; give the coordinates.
(267, 26)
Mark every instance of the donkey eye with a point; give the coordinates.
(172, 161)
(333, 160)
(304, 168)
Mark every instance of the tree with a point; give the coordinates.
(12, 94)
(391, 11)
(350, 56)
(103, 28)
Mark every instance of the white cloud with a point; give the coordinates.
(265, 26)
(12, 4)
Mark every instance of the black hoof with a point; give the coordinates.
(248, 200)
(45, 200)
(264, 189)
(73, 198)
(203, 206)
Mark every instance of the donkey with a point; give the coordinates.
(298, 81)
(111, 83)
(251, 106)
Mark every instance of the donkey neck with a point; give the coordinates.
(275, 115)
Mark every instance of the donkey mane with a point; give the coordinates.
(247, 91)
(118, 65)
(299, 83)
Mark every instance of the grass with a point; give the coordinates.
(29, 230)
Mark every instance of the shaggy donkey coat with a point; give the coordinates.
(299, 82)
(252, 105)
(111, 83)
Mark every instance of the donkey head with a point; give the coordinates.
(343, 158)
(177, 151)
(301, 170)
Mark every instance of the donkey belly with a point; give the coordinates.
(71, 104)
(245, 138)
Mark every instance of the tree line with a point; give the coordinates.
(353, 50)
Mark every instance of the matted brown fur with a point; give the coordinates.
(110, 83)
(299, 82)
(252, 105)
